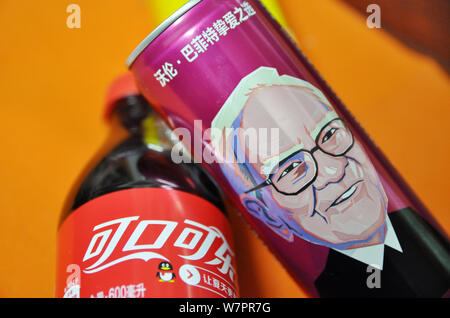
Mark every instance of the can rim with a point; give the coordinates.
(160, 29)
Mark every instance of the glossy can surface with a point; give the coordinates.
(325, 200)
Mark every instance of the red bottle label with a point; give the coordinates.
(146, 242)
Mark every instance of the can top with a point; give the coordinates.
(160, 29)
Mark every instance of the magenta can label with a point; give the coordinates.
(288, 154)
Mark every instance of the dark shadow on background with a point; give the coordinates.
(422, 25)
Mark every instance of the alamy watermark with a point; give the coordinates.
(73, 20)
(374, 279)
(374, 19)
(230, 145)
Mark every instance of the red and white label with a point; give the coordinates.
(146, 242)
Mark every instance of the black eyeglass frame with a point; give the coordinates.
(268, 181)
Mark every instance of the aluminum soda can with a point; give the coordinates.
(288, 154)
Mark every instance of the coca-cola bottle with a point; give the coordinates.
(136, 224)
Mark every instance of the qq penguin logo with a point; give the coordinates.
(165, 273)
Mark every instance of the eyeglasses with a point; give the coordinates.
(297, 172)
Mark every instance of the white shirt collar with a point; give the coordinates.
(373, 255)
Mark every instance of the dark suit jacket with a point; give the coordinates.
(422, 270)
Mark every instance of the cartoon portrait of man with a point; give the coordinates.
(319, 185)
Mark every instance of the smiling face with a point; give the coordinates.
(323, 180)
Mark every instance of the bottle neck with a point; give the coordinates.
(130, 112)
(134, 115)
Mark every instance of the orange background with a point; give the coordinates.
(53, 81)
